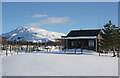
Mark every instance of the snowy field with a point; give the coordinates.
(53, 64)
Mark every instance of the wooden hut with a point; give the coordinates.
(85, 39)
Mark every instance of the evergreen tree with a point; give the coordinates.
(106, 40)
(118, 42)
(116, 39)
(110, 37)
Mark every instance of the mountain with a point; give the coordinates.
(32, 34)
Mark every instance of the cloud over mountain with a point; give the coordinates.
(51, 20)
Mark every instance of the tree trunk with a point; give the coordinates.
(99, 52)
(17, 51)
(21, 48)
(114, 52)
(37, 47)
(15, 48)
(11, 49)
(27, 48)
(118, 53)
(64, 50)
(30, 47)
(6, 51)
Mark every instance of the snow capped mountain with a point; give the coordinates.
(32, 34)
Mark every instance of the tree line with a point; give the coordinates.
(17, 46)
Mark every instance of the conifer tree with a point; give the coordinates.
(110, 37)
(116, 38)
(106, 40)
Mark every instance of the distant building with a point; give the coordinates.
(85, 39)
(3, 40)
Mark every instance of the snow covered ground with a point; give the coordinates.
(59, 64)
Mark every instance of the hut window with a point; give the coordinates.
(91, 43)
(72, 43)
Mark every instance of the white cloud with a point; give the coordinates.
(39, 16)
(51, 20)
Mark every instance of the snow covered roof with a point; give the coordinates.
(77, 33)
(82, 37)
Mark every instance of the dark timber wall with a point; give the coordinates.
(78, 43)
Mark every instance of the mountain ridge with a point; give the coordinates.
(32, 34)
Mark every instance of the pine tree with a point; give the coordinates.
(109, 37)
(113, 39)
(105, 42)
(118, 42)
(116, 38)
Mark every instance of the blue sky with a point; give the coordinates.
(58, 17)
